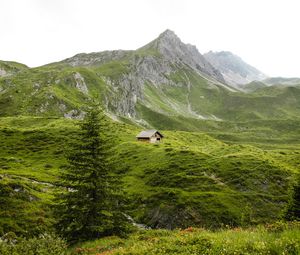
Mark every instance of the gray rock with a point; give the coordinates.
(80, 83)
(3, 72)
(75, 114)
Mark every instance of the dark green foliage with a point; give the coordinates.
(42, 245)
(91, 207)
(293, 209)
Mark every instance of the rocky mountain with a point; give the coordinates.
(235, 71)
(176, 52)
(147, 60)
(152, 65)
(159, 84)
(282, 81)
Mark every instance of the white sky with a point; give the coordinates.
(265, 33)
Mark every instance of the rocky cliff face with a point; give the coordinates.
(235, 71)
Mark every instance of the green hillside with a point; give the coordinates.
(8, 68)
(59, 90)
(191, 179)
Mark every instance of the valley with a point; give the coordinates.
(229, 157)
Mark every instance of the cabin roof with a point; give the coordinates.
(148, 133)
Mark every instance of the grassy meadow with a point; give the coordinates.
(190, 179)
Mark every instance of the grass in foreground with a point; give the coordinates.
(272, 239)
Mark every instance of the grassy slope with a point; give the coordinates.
(208, 100)
(11, 68)
(47, 91)
(189, 179)
(30, 157)
(263, 240)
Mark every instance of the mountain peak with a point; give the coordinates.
(168, 39)
(168, 34)
(171, 48)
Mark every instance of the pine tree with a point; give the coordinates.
(91, 206)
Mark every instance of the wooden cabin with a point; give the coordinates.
(150, 136)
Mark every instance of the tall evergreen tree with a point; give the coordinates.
(91, 206)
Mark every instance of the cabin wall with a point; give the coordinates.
(153, 139)
(147, 140)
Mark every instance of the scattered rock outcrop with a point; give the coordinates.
(80, 83)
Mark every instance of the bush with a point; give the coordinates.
(42, 245)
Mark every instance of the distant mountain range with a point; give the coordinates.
(163, 80)
(234, 70)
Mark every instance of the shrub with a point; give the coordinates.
(48, 166)
(42, 245)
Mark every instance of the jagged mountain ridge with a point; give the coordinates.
(162, 82)
(167, 46)
(235, 71)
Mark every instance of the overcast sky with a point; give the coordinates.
(265, 33)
